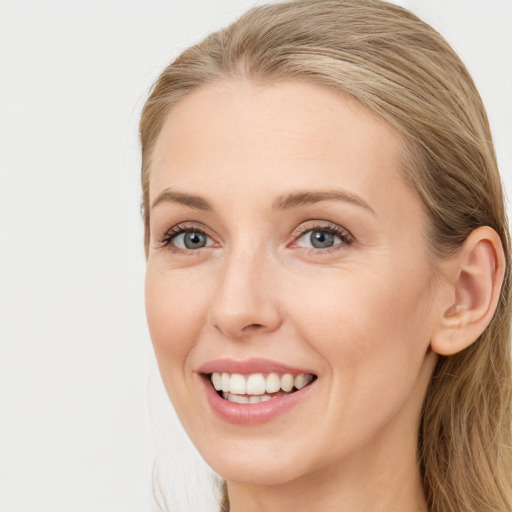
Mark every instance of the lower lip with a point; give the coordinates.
(251, 414)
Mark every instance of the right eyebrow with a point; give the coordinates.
(172, 196)
(296, 199)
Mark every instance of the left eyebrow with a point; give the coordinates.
(296, 199)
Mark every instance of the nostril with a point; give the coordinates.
(252, 327)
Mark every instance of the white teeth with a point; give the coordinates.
(245, 399)
(217, 381)
(302, 380)
(238, 384)
(273, 383)
(257, 385)
(225, 382)
(259, 398)
(287, 382)
(238, 399)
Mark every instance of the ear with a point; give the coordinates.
(474, 276)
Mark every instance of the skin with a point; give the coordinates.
(360, 314)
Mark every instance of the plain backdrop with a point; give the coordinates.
(84, 420)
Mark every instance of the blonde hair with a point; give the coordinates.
(400, 68)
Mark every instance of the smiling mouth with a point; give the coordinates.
(257, 387)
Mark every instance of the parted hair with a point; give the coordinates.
(400, 68)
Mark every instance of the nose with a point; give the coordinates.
(245, 303)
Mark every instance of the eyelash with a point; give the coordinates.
(344, 235)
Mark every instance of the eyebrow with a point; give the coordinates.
(283, 202)
(293, 200)
(190, 200)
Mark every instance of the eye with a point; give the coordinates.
(323, 237)
(190, 240)
(182, 238)
(318, 239)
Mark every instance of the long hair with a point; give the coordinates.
(401, 69)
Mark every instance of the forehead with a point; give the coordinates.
(289, 135)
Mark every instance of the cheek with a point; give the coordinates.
(360, 310)
(175, 310)
(371, 328)
(373, 337)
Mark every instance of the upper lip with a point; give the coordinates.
(249, 366)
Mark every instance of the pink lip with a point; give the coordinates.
(248, 366)
(251, 414)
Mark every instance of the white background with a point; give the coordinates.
(82, 410)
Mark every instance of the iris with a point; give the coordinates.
(194, 240)
(321, 239)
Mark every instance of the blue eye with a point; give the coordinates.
(324, 237)
(191, 240)
(186, 239)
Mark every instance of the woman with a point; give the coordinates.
(327, 289)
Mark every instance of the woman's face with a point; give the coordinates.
(284, 241)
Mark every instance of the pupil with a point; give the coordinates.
(194, 240)
(321, 239)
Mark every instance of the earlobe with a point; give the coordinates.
(475, 276)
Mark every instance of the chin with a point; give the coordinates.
(261, 465)
(247, 472)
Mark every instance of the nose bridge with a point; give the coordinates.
(245, 302)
